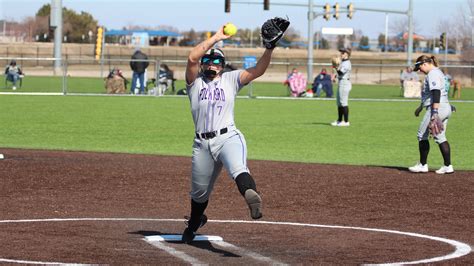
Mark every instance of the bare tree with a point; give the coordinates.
(400, 25)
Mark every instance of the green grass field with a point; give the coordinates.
(381, 133)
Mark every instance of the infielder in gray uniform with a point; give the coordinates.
(344, 87)
(434, 98)
(218, 143)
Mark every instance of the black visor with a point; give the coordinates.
(419, 63)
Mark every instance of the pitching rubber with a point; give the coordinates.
(255, 203)
(1, 156)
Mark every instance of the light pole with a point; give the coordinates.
(310, 40)
(386, 32)
(57, 24)
(410, 32)
(472, 30)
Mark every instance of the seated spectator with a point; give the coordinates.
(407, 75)
(296, 83)
(116, 82)
(322, 81)
(13, 73)
(165, 79)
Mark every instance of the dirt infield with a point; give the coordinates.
(106, 204)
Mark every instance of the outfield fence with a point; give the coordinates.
(86, 75)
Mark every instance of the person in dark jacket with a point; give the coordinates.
(323, 82)
(138, 68)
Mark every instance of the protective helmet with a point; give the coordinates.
(213, 56)
(13, 62)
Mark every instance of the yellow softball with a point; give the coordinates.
(230, 29)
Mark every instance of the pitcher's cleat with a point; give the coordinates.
(255, 203)
(188, 236)
(445, 170)
(189, 232)
(419, 168)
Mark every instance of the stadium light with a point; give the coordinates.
(336, 11)
(350, 10)
(98, 44)
(327, 11)
(227, 6)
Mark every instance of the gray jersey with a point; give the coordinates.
(212, 102)
(435, 80)
(345, 85)
(344, 70)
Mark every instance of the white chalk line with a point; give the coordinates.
(244, 252)
(461, 249)
(176, 253)
(160, 240)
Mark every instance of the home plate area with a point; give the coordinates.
(231, 250)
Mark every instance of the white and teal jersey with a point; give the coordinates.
(435, 80)
(212, 102)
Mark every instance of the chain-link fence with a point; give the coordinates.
(86, 75)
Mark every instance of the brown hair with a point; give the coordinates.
(428, 59)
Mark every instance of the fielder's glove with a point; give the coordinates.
(336, 61)
(272, 31)
(436, 125)
(453, 108)
(418, 110)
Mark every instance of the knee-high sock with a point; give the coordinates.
(446, 152)
(197, 210)
(346, 113)
(424, 147)
(340, 112)
(245, 181)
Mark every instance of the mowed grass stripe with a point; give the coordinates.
(381, 133)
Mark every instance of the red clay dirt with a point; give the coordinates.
(38, 184)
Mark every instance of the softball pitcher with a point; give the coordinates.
(217, 142)
(434, 98)
(344, 87)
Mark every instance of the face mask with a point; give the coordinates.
(208, 73)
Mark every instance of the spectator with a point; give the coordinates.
(409, 74)
(13, 73)
(456, 89)
(116, 82)
(323, 81)
(165, 79)
(138, 64)
(296, 83)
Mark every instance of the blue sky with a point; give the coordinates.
(209, 14)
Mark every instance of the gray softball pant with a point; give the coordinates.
(344, 87)
(209, 156)
(444, 112)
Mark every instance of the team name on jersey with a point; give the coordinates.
(212, 94)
